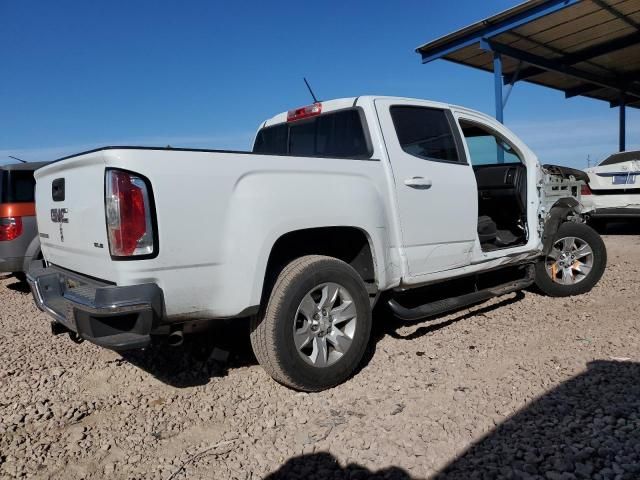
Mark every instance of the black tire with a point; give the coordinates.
(591, 237)
(272, 336)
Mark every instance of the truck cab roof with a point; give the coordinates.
(350, 102)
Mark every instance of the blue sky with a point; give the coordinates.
(80, 74)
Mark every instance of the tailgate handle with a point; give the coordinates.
(57, 190)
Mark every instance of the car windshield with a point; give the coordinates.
(16, 186)
(620, 158)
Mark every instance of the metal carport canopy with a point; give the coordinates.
(587, 48)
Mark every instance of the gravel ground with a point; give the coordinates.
(523, 386)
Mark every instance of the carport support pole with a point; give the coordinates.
(622, 132)
(497, 84)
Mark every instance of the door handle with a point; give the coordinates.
(420, 183)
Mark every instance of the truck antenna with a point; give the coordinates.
(315, 100)
(16, 158)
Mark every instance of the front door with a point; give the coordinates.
(435, 186)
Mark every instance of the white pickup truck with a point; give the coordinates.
(340, 204)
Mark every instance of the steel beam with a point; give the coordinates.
(493, 29)
(551, 65)
(600, 49)
(581, 55)
(524, 73)
(580, 90)
(625, 18)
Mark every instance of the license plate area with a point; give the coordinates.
(624, 179)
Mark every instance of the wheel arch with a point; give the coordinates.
(351, 244)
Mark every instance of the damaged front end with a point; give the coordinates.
(560, 191)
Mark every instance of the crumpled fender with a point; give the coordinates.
(557, 216)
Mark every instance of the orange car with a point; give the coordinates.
(19, 243)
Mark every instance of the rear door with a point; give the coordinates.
(435, 186)
(70, 211)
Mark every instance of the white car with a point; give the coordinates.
(341, 204)
(614, 188)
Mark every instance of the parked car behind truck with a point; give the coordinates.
(340, 204)
(614, 188)
(19, 243)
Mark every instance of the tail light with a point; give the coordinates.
(128, 214)
(304, 112)
(10, 228)
(585, 190)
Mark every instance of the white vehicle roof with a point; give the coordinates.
(342, 103)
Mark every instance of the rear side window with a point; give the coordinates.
(340, 134)
(425, 133)
(16, 186)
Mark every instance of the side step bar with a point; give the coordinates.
(454, 303)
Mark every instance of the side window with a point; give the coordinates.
(487, 148)
(341, 135)
(17, 186)
(425, 133)
(23, 188)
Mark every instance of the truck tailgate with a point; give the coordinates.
(70, 211)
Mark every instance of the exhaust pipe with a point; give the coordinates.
(175, 338)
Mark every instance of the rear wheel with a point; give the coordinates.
(575, 263)
(316, 326)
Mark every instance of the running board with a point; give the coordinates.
(454, 303)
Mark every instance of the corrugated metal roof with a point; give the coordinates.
(582, 47)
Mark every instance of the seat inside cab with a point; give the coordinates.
(501, 177)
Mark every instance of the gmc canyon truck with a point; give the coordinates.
(340, 204)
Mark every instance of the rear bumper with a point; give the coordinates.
(14, 264)
(119, 318)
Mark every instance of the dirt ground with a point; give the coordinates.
(524, 386)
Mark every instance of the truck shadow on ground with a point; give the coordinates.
(323, 465)
(16, 284)
(226, 345)
(587, 427)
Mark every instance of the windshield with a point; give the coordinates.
(17, 186)
(620, 158)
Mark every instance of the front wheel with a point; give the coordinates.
(316, 326)
(575, 263)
